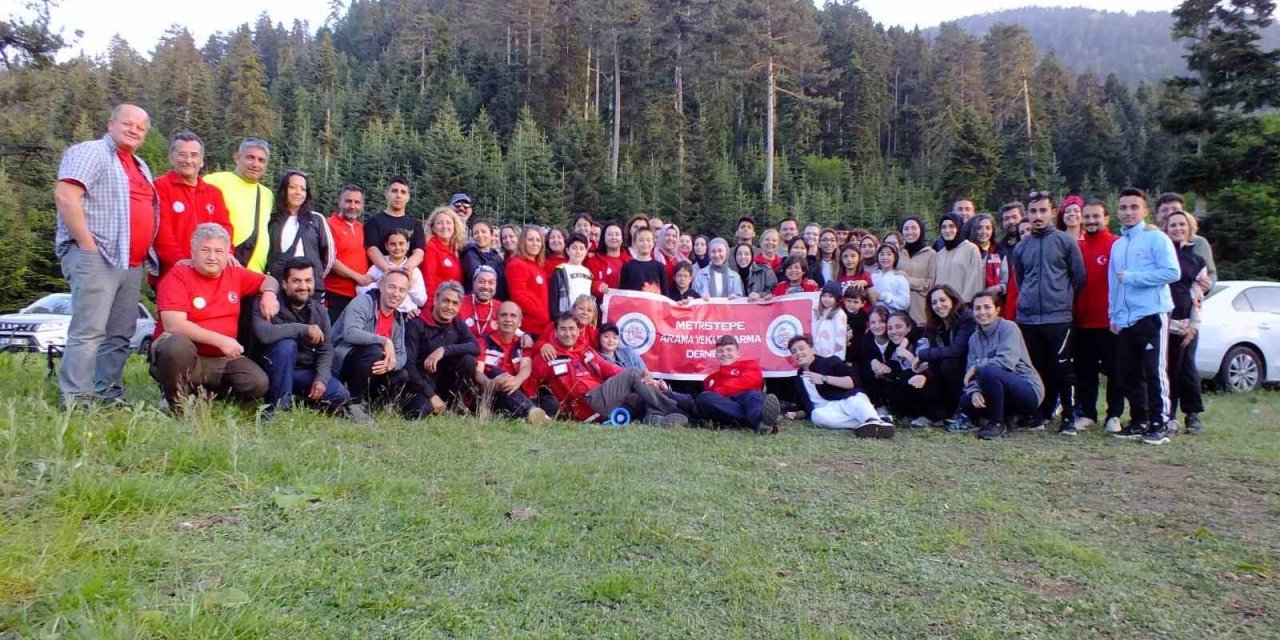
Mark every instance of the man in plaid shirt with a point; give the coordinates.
(107, 219)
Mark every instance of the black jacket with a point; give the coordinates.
(312, 235)
(828, 366)
(901, 372)
(948, 344)
(1190, 266)
(423, 336)
(473, 258)
(291, 324)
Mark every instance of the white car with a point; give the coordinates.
(42, 326)
(1240, 335)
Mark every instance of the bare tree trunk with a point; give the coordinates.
(680, 119)
(1031, 154)
(768, 135)
(508, 45)
(586, 90)
(617, 113)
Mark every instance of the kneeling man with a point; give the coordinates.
(296, 347)
(828, 391)
(196, 346)
(733, 396)
(368, 343)
(505, 369)
(442, 353)
(590, 388)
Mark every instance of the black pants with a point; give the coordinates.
(454, 381)
(1184, 378)
(366, 387)
(337, 303)
(1140, 354)
(949, 379)
(1095, 356)
(1049, 346)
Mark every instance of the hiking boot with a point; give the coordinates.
(1157, 435)
(1134, 431)
(769, 415)
(1194, 426)
(1067, 427)
(1112, 425)
(538, 418)
(992, 431)
(1083, 423)
(357, 414)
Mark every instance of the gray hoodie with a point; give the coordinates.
(1050, 270)
(1001, 345)
(356, 327)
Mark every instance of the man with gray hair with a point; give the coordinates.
(106, 224)
(442, 353)
(196, 346)
(248, 201)
(186, 200)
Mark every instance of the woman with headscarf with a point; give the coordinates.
(916, 263)
(757, 278)
(958, 263)
(718, 279)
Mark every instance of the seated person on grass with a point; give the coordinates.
(733, 395)
(590, 388)
(196, 347)
(442, 353)
(368, 343)
(505, 368)
(295, 347)
(828, 392)
(1000, 378)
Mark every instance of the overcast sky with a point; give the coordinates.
(143, 21)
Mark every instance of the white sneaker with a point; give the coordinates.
(538, 418)
(1083, 423)
(1112, 425)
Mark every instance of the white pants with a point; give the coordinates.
(850, 413)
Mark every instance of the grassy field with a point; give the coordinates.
(127, 524)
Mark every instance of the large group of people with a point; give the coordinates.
(1003, 321)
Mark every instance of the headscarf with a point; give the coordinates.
(912, 247)
(954, 218)
(724, 270)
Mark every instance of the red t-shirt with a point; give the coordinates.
(142, 212)
(386, 323)
(211, 303)
(739, 377)
(348, 248)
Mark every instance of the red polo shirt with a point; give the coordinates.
(142, 213)
(183, 208)
(211, 303)
(348, 248)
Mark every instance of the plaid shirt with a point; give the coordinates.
(95, 165)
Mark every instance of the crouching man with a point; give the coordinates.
(196, 347)
(590, 388)
(442, 353)
(368, 343)
(296, 348)
(505, 369)
(828, 391)
(733, 395)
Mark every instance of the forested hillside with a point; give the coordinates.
(540, 108)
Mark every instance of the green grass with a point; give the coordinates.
(128, 524)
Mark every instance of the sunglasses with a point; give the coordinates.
(1037, 195)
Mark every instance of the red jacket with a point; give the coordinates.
(1090, 310)
(182, 208)
(606, 270)
(527, 286)
(481, 318)
(1010, 309)
(574, 372)
(552, 261)
(440, 264)
(741, 376)
(992, 262)
(806, 285)
(773, 264)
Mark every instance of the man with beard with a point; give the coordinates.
(442, 353)
(351, 263)
(479, 310)
(186, 201)
(1095, 345)
(505, 368)
(733, 395)
(296, 348)
(1010, 216)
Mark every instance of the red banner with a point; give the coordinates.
(679, 342)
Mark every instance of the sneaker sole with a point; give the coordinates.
(1069, 434)
(1127, 436)
(1163, 440)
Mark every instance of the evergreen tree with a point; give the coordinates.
(248, 110)
(532, 177)
(973, 163)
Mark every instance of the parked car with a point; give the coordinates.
(42, 326)
(1240, 335)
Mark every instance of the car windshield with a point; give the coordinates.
(59, 305)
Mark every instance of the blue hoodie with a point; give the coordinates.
(1146, 256)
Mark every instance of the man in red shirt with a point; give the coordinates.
(590, 388)
(106, 223)
(186, 201)
(1095, 344)
(504, 368)
(351, 262)
(733, 393)
(479, 309)
(196, 346)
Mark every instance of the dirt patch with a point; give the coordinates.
(1051, 588)
(209, 522)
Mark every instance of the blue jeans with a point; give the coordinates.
(286, 381)
(104, 316)
(1003, 390)
(744, 409)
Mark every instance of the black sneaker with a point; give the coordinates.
(769, 415)
(992, 431)
(1039, 424)
(1194, 426)
(1132, 431)
(1157, 435)
(875, 428)
(1068, 427)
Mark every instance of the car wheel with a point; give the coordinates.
(1241, 369)
(145, 347)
